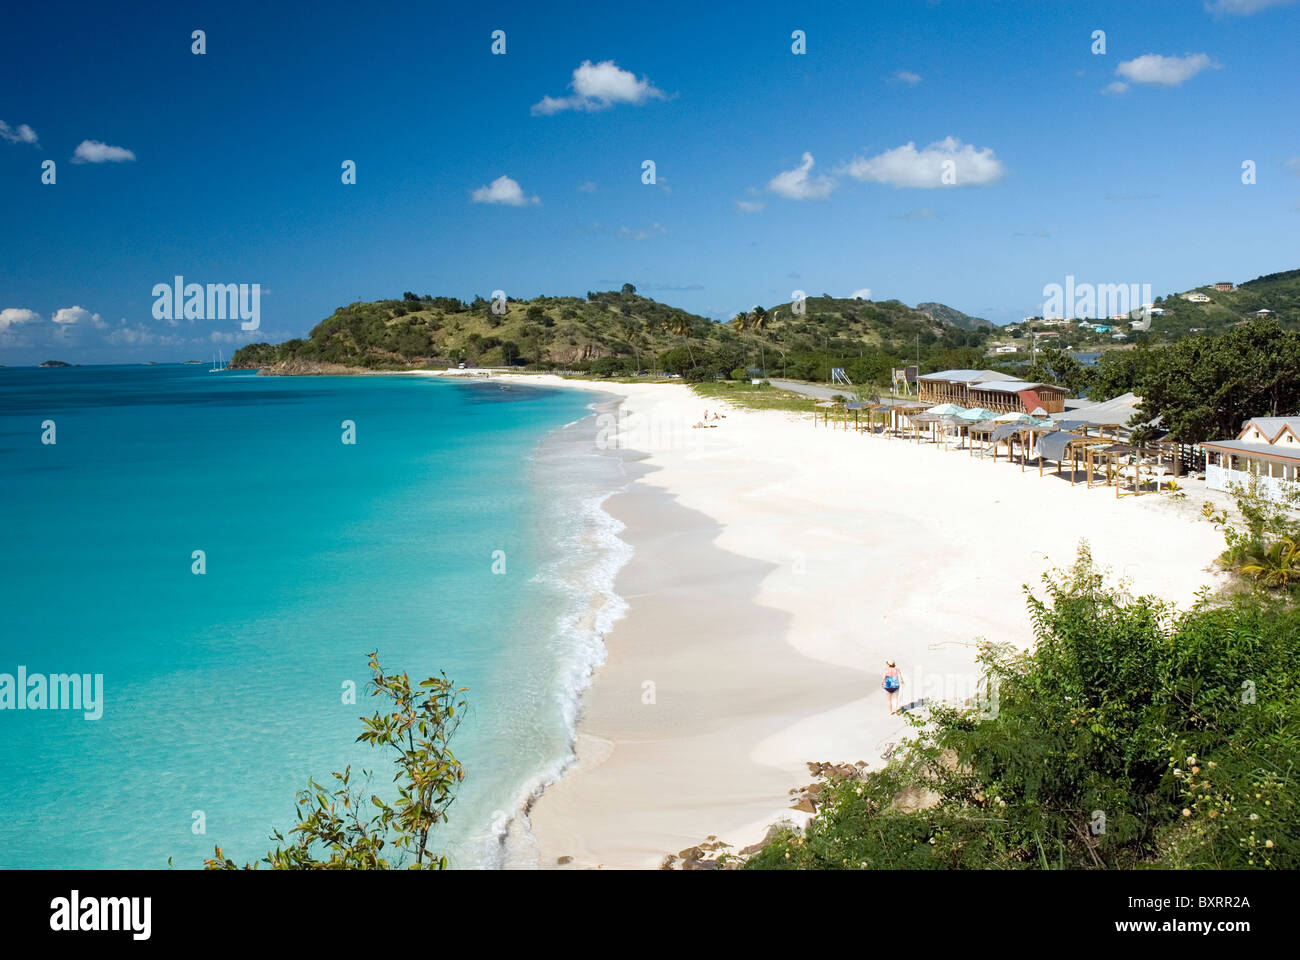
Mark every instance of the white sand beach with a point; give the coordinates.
(776, 567)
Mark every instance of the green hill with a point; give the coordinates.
(1276, 292)
(545, 331)
(621, 332)
(947, 314)
(889, 325)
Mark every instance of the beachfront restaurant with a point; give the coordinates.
(992, 390)
(1268, 448)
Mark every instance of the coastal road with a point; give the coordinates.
(812, 389)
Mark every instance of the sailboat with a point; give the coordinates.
(216, 364)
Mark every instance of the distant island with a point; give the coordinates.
(55, 363)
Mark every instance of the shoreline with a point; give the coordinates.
(775, 567)
(579, 557)
(591, 606)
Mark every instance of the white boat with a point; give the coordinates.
(216, 364)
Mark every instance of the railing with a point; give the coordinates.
(1218, 477)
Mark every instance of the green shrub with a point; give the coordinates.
(345, 830)
(1131, 735)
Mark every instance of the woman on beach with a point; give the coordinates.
(893, 682)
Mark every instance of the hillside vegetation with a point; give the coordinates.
(621, 332)
(955, 317)
(1276, 292)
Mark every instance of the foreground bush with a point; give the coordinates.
(342, 829)
(1130, 736)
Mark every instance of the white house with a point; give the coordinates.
(1267, 447)
(1196, 298)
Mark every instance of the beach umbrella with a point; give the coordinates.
(945, 410)
(952, 423)
(977, 414)
(1014, 418)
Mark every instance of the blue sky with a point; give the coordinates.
(1123, 167)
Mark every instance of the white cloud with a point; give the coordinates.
(23, 134)
(906, 166)
(92, 151)
(505, 191)
(138, 335)
(588, 187)
(750, 206)
(654, 230)
(549, 105)
(598, 86)
(799, 184)
(907, 77)
(1115, 88)
(863, 294)
(69, 316)
(1155, 70)
(1242, 8)
(236, 336)
(16, 316)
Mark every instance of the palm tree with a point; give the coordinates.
(680, 326)
(759, 317)
(740, 322)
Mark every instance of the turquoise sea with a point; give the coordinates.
(224, 691)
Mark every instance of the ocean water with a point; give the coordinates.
(224, 691)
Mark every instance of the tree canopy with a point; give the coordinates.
(1204, 388)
